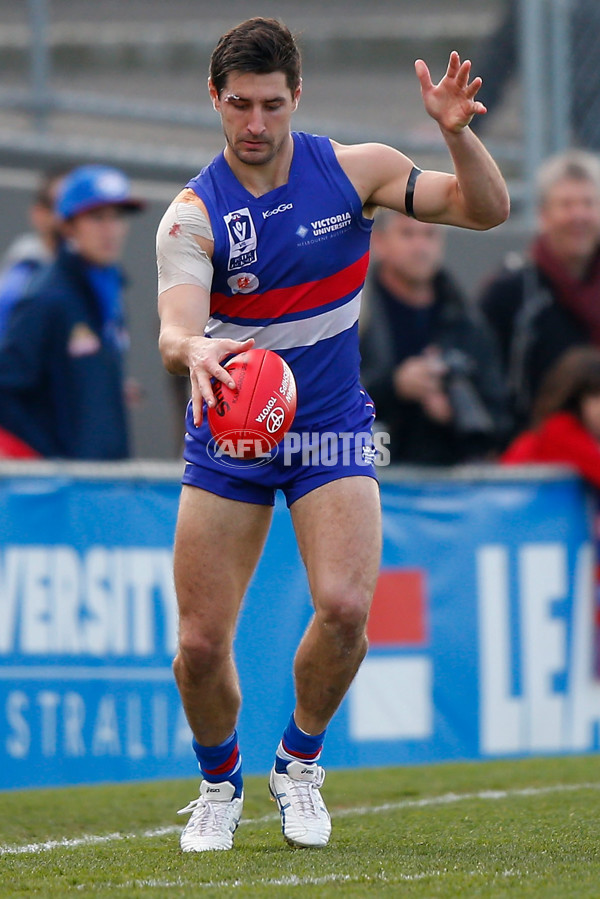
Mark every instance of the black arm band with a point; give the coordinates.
(410, 191)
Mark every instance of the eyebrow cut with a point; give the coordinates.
(237, 99)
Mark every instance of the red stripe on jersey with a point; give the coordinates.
(286, 300)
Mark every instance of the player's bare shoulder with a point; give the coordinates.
(370, 165)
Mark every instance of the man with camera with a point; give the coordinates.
(429, 364)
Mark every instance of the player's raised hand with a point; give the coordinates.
(452, 101)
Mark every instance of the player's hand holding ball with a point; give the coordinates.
(204, 357)
(250, 419)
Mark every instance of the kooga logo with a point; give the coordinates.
(283, 207)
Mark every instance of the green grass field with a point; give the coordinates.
(519, 829)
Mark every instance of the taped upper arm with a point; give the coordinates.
(180, 255)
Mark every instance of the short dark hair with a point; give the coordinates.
(47, 185)
(574, 376)
(260, 46)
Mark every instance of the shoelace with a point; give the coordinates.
(306, 794)
(211, 816)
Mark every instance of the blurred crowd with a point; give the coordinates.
(508, 374)
(456, 379)
(63, 330)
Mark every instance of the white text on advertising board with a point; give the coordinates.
(103, 602)
(537, 690)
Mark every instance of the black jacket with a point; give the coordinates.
(61, 379)
(474, 384)
(532, 330)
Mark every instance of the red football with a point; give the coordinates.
(250, 420)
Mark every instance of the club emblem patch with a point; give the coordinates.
(242, 239)
(244, 282)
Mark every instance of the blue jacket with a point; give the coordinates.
(61, 375)
(13, 286)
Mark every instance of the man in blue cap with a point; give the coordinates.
(61, 358)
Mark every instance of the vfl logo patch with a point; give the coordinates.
(242, 239)
(245, 282)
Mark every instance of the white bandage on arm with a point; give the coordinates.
(180, 258)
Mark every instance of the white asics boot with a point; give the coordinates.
(305, 821)
(214, 820)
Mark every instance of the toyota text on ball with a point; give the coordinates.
(269, 405)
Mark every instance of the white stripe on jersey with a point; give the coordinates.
(287, 335)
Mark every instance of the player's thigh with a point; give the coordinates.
(218, 543)
(338, 528)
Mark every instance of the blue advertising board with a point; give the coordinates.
(481, 634)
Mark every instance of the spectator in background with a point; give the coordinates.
(61, 358)
(551, 301)
(428, 363)
(565, 422)
(30, 252)
(565, 429)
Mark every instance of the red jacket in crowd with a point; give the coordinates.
(12, 447)
(560, 439)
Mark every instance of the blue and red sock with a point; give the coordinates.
(296, 745)
(222, 762)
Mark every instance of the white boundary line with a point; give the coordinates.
(426, 802)
(292, 880)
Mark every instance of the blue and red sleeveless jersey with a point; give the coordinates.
(289, 269)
